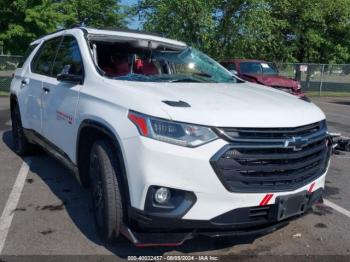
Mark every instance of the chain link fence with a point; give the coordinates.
(315, 79)
(8, 65)
(319, 79)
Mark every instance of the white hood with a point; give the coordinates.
(222, 105)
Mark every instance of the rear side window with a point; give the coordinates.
(42, 62)
(250, 68)
(258, 68)
(68, 57)
(26, 55)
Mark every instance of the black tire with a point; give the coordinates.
(20, 143)
(106, 196)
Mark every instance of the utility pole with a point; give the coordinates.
(1, 48)
(321, 81)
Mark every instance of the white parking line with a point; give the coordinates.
(337, 208)
(11, 204)
(343, 157)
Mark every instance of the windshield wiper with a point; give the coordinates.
(134, 77)
(203, 75)
(186, 79)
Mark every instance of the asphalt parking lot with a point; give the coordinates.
(53, 215)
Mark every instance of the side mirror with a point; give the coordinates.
(66, 76)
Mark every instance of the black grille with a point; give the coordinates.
(259, 212)
(272, 159)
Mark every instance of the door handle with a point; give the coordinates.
(24, 82)
(46, 89)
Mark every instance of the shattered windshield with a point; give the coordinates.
(186, 65)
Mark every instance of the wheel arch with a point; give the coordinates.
(95, 129)
(13, 101)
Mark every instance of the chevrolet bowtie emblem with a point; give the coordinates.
(297, 143)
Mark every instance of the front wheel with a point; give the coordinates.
(106, 196)
(20, 144)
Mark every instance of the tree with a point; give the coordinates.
(94, 13)
(252, 31)
(192, 21)
(22, 21)
(276, 30)
(221, 28)
(315, 30)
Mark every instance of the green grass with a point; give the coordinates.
(328, 93)
(4, 93)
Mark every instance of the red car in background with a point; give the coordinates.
(264, 73)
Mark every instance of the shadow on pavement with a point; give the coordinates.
(4, 118)
(345, 103)
(76, 201)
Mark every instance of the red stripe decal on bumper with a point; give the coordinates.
(266, 199)
(263, 200)
(311, 187)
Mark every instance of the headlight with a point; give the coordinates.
(176, 133)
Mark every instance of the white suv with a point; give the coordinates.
(171, 144)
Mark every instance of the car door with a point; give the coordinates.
(20, 82)
(61, 97)
(32, 84)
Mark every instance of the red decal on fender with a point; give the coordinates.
(64, 116)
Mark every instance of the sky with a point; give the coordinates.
(134, 24)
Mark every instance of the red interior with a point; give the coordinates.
(145, 67)
(121, 67)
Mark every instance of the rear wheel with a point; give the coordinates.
(106, 196)
(20, 143)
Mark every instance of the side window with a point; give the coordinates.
(26, 55)
(68, 59)
(42, 62)
(250, 68)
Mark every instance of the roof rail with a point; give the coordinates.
(59, 30)
(126, 30)
(80, 25)
(83, 27)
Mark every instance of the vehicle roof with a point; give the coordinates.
(120, 33)
(239, 60)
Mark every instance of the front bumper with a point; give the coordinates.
(149, 229)
(215, 204)
(155, 163)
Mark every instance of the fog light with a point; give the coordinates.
(162, 195)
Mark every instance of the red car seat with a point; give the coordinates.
(145, 68)
(120, 67)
